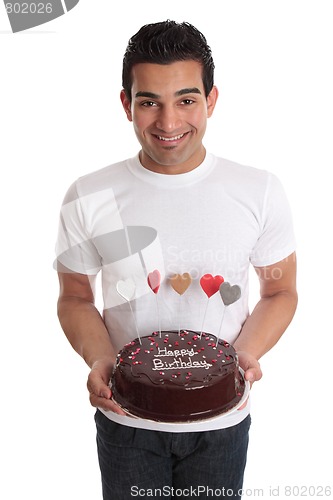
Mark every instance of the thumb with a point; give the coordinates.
(96, 385)
(253, 374)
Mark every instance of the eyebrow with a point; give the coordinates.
(190, 90)
(179, 93)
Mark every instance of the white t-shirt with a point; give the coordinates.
(127, 221)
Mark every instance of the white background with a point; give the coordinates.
(60, 117)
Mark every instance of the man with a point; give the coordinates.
(176, 208)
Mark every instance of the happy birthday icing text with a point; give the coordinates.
(176, 352)
(178, 361)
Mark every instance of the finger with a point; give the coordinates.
(243, 405)
(105, 404)
(253, 374)
(96, 385)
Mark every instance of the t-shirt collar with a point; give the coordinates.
(173, 180)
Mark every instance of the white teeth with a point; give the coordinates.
(170, 138)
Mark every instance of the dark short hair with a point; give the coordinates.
(164, 43)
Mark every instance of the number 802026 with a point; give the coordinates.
(29, 8)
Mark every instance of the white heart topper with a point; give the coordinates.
(126, 289)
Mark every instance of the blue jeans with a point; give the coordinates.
(138, 463)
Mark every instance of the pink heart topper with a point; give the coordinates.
(154, 280)
(211, 284)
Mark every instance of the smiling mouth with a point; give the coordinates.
(171, 139)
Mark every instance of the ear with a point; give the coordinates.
(126, 105)
(211, 101)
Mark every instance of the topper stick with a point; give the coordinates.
(158, 317)
(203, 321)
(179, 309)
(154, 283)
(210, 285)
(180, 283)
(135, 323)
(219, 334)
(126, 289)
(229, 295)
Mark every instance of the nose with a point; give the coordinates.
(168, 119)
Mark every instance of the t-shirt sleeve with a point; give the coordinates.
(75, 249)
(277, 239)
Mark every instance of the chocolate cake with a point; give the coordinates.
(177, 377)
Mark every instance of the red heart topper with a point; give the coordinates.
(154, 280)
(211, 284)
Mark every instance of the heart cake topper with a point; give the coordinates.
(181, 282)
(154, 283)
(229, 294)
(211, 284)
(154, 280)
(126, 289)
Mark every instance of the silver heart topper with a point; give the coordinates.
(229, 294)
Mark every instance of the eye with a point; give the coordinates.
(148, 104)
(187, 101)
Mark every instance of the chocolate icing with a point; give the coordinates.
(177, 377)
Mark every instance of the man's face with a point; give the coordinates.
(169, 111)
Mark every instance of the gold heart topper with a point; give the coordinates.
(181, 282)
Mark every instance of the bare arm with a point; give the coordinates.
(270, 317)
(85, 329)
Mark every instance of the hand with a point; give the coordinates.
(99, 390)
(251, 367)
